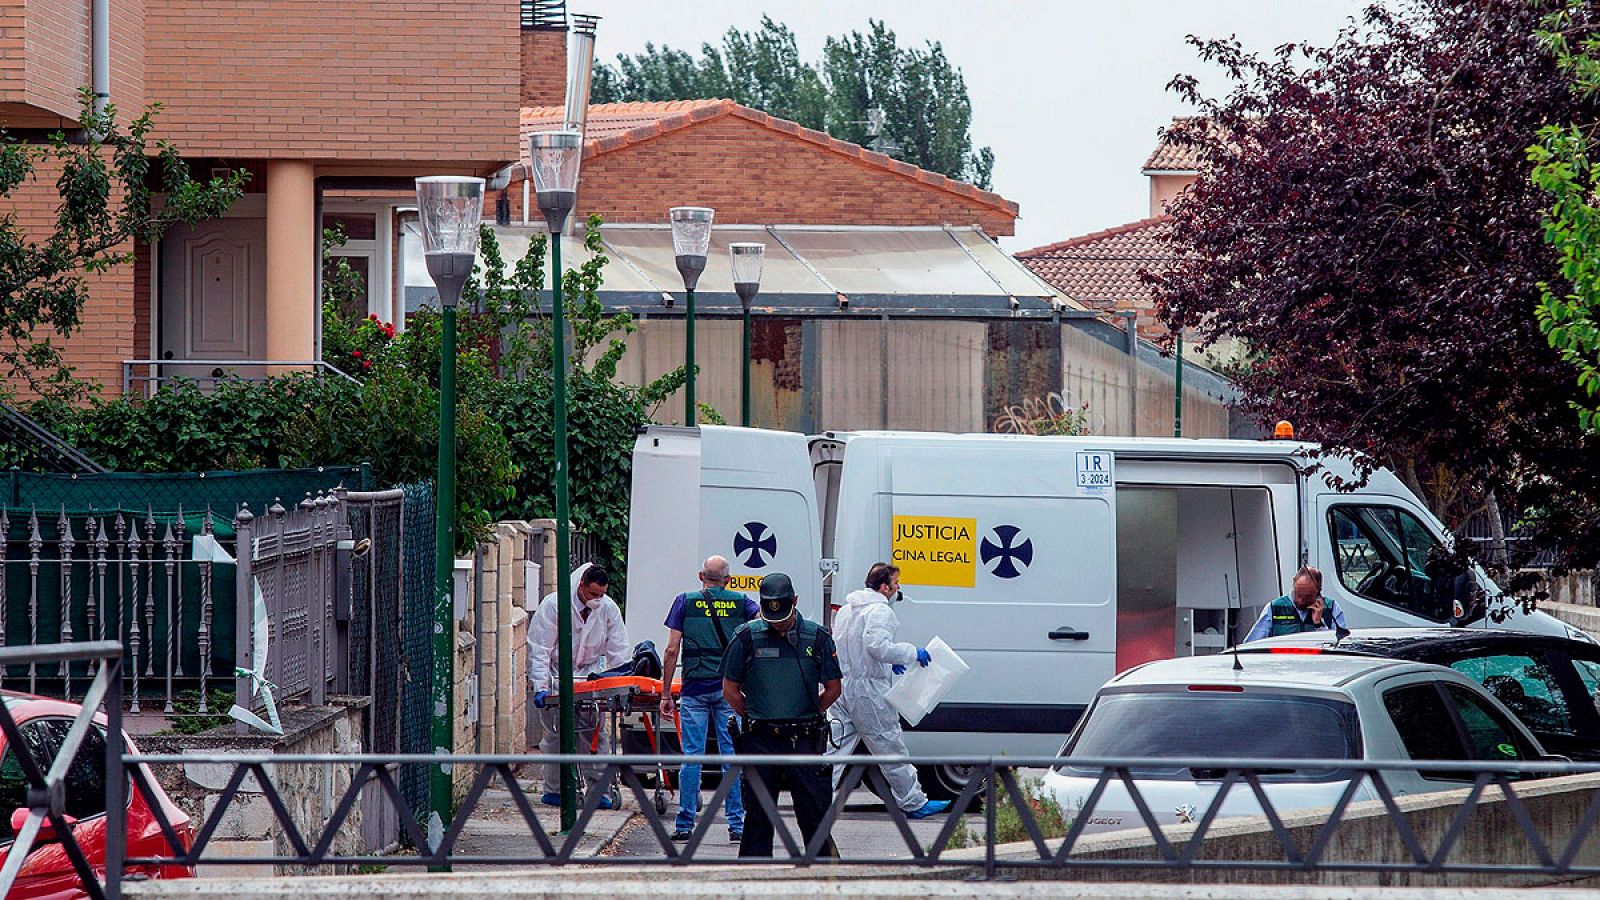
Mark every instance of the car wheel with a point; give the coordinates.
(945, 782)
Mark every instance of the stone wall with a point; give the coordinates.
(491, 674)
(310, 792)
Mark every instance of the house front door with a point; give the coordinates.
(213, 298)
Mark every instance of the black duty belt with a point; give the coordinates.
(787, 729)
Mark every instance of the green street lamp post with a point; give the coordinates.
(449, 210)
(746, 262)
(556, 155)
(691, 240)
(1177, 390)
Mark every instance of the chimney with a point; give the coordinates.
(580, 70)
(544, 52)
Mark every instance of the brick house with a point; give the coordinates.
(752, 167)
(886, 301)
(330, 114)
(1100, 270)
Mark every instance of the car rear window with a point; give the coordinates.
(1219, 725)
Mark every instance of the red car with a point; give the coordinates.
(47, 874)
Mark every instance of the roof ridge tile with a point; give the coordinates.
(658, 117)
(1094, 236)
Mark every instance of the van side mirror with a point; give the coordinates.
(47, 829)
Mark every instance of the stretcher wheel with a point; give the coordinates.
(661, 804)
(615, 793)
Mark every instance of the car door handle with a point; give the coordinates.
(1067, 633)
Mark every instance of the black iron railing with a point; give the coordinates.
(992, 777)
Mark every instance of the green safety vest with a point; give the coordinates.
(710, 618)
(783, 680)
(1286, 618)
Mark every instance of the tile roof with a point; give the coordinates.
(614, 126)
(1173, 157)
(1101, 270)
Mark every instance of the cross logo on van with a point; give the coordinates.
(1009, 552)
(752, 541)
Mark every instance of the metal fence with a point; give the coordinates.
(290, 561)
(46, 779)
(146, 581)
(995, 781)
(992, 777)
(413, 667)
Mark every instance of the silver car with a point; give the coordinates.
(1284, 707)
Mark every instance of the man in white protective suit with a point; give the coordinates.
(864, 631)
(599, 642)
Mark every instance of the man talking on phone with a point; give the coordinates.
(1304, 609)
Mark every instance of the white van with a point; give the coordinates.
(1050, 564)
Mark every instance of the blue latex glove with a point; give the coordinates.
(923, 658)
(897, 669)
(538, 698)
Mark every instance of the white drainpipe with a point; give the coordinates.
(100, 31)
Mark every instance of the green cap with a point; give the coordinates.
(777, 597)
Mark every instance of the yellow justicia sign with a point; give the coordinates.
(935, 550)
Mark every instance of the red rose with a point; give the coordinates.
(388, 331)
(356, 353)
(373, 316)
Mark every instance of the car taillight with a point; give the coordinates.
(1301, 651)
(1226, 688)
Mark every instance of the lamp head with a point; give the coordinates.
(555, 157)
(746, 262)
(449, 211)
(691, 240)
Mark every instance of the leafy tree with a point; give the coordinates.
(1569, 309)
(106, 182)
(1366, 225)
(927, 113)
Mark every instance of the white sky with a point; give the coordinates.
(1069, 93)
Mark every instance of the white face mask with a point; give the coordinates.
(592, 604)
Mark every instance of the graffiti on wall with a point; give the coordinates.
(1051, 414)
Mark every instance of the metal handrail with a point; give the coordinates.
(129, 378)
(46, 779)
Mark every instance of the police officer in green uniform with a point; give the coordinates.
(700, 626)
(780, 675)
(1305, 609)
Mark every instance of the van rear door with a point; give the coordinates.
(1007, 550)
(741, 493)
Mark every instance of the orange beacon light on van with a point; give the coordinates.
(1283, 431)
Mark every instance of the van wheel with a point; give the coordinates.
(945, 782)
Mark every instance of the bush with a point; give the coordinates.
(1053, 821)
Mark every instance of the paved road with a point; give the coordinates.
(863, 831)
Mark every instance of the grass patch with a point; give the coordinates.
(186, 715)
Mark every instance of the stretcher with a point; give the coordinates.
(619, 696)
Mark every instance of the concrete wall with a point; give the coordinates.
(1586, 618)
(491, 662)
(940, 375)
(1365, 834)
(1573, 589)
(1165, 188)
(311, 792)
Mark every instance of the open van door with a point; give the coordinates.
(1007, 550)
(741, 493)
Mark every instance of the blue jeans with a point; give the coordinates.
(693, 713)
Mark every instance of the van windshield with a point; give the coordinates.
(1218, 725)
